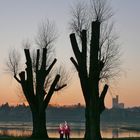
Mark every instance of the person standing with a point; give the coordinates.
(61, 131)
(67, 130)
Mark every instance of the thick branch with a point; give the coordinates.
(40, 80)
(84, 44)
(44, 55)
(22, 76)
(102, 97)
(94, 49)
(74, 63)
(84, 52)
(59, 88)
(17, 79)
(51, 91)
(29, 66)
(101, 65)
(37, 59)
(51, 66)
(29, 72)
(28, 58)
(26, 90)
(75, 47)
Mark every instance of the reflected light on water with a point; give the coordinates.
(110, 133)
(19, 129)
(16, 133)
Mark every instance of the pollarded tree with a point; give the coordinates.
(38, 80)
(97, 58)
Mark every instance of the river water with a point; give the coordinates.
(77, 130)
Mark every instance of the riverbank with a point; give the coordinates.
(21, 138)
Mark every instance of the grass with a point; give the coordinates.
(21, 138)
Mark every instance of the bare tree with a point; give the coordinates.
(13, 63)
(97, 59)
(46, 35)
(100, 10)
(38, 80)
(79, 19)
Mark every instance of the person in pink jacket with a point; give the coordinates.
(61, 131)
(67, 130)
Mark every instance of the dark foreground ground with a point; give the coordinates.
(19, 138)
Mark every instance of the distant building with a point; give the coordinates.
(116, 104)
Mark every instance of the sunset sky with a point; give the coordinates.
(19, 21)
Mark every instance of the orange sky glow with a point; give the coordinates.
(69, 96)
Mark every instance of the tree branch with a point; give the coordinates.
(94, 49)
(44, 56)
(84, 52)
(51, 90)
(101, 65)
(17, 79)
(75, 47)
(59, 88)
(51, 66)
(74, 63)
(84, 44)
(29, 72)
(102, 97)
(37, 59)
(22, 76)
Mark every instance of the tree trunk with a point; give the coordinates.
(95, 128)
(39, 124)
(92, 127)
(87, 124)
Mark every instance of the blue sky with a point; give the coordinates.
(19, 21)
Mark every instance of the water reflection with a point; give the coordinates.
(115, 133)
(15, 132)
(77, 130)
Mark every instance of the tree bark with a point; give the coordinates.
(95, 126)
(39, 124)
(89, 74)
(92, 127)
(35, 92)
(87, 124)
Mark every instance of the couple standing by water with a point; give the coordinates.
(64, 129)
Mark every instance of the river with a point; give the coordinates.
(77, 130)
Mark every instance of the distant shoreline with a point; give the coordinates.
(131, 128)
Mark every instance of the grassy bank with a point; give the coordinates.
(19, 138)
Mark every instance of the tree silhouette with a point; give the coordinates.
(38, 80)
(97, 59)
